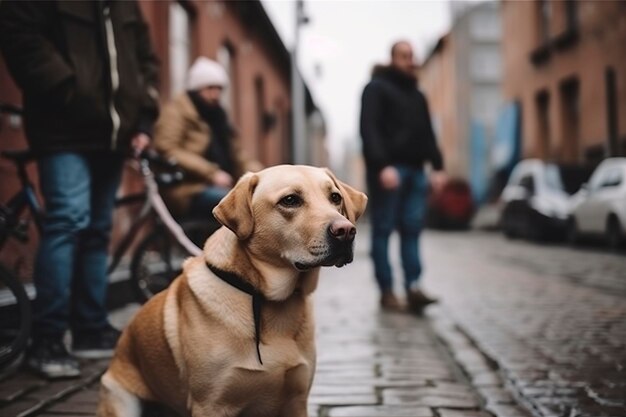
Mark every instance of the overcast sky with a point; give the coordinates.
(343, 41)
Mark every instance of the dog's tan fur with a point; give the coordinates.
(192, 346)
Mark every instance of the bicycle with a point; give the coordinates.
(15, 327)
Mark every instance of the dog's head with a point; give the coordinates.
(297, 215)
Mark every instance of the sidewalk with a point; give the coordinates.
(370, 364)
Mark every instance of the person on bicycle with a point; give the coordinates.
(194, 130)
(88, 76)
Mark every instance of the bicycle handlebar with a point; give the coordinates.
(173, 175)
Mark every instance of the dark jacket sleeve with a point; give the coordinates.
(149, 66)
(35, 63)
(374, 151)
(434, 155)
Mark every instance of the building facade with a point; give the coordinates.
(462, 79)
(565, 65)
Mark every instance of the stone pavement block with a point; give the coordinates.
(507, 410)
(19, 408)
(321, 390)
(446, 390)
(431, 401)
(380, 411)
(496, 395)
(86, 396)
(56, 390)
(461, 413)
(486, 379)
(376, 382)
(71, 408)
(342, 399)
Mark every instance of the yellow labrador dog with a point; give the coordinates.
(234, 334)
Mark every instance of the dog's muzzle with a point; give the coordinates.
(341, 235)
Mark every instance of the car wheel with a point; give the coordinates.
(572, 233)
(614, 233)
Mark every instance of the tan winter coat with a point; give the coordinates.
(181, 134)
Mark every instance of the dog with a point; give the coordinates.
(233, 335)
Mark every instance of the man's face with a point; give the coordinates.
(211, 94)
(402, 58)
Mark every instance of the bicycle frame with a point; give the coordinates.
(152, 205)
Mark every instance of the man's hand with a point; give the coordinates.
(437, 180)
(223, 179)
(139, 142)
(389, 178)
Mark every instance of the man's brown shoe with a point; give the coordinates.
(418, 301)
(389, 302)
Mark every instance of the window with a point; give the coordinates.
(180, 47)
(571, 14)
(543, 123)
(485, 23)
(226, 57)
(486, 101)
(610, 83)
(545, 16)
(570, 119)
(485, 64)
(612, 178)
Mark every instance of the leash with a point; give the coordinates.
(257, 299)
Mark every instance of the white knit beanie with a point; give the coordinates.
(205, 72)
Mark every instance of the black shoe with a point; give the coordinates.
(49, 358)
(96, 344)
(418, 301)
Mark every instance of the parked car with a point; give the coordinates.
(450, 207)
(599, 207)
(535, 204)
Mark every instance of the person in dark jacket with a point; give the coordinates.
(88, 77)
(398, 141)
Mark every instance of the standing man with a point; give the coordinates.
(398, 140)
(88, 77)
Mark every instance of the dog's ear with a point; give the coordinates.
(354, 201)
(235, 210)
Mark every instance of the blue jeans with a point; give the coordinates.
(71, 264)
(203, 203)
(402, 209)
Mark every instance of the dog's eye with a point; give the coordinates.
(335, 198)
(292, 200)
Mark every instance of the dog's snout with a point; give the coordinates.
(342, 230)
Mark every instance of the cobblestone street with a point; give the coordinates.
(521, 329)
(551, 319)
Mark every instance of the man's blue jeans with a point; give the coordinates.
(70, 267)
(402, 209)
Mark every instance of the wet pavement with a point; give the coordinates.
(522, 329)
(550, 319)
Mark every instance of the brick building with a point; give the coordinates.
(565, 64)
(461, 77)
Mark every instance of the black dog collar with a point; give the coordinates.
(257, 299)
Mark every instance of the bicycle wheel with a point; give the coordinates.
(14, 328)
(156, 262)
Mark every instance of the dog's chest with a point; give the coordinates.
(265, 389)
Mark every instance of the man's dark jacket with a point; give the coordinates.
(395, 122)
(62, 57)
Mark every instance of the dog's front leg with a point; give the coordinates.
(115, 401)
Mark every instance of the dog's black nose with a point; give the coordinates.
(342, 230)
